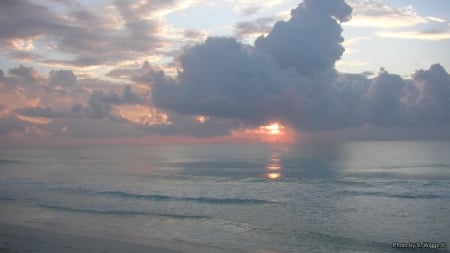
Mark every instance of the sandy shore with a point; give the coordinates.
(20, 239)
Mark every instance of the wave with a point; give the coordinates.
(7, 198)
(430, 165)
(400, 195)
(118, 212)
(205, 200)
(8, 161)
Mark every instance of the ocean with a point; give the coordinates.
(303, 197)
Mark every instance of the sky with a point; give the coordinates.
(163, 71)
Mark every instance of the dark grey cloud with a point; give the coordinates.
(100, 103)
(46, 112)
(11, 123)
(129, 97)
(62, 78)
(25, 74)
(185, 125)
(24, 19)
(384, 99)
(23, 80)
(338, 9)
(225, 78)
(7, 83)
(218, 78)
(310, 40)
(289, 76)
(433, 102)
(149, 75)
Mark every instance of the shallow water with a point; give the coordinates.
(327, 197)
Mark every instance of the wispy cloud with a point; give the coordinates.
(258, 26)
(249, 7)
(379, 14)
(415, 35)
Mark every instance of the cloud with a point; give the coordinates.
(10, 123)
(21, 86)
(17, 24)
(289, 76)
(297, 42)
(26, 74)
(62, 78)
(222, 87)
(148, 75)
(187, 125)
(47, 112)
(87, 99)
(83, 37)
(415, 35)
(384, 99)
(208, 86)
(436, 19)
(225, 78)
(141, 9)
(379, 14)
(250, 7)
(100, 103)
(194, 34)
(434, 29)
(129, 97)
(433, 101)
(258, 26)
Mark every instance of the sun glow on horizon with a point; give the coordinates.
(273, 129)
(273, 132)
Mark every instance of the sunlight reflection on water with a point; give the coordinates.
(273, 166)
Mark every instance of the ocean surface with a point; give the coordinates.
(305, 197)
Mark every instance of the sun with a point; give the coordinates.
(273, 129)
(271, 132)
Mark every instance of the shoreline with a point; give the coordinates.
(22, 239)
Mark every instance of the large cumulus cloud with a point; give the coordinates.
(285, 76)
(311, 39)
(289, 75)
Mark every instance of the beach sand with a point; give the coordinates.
(21, 239)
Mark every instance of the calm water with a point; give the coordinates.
(340, 197)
